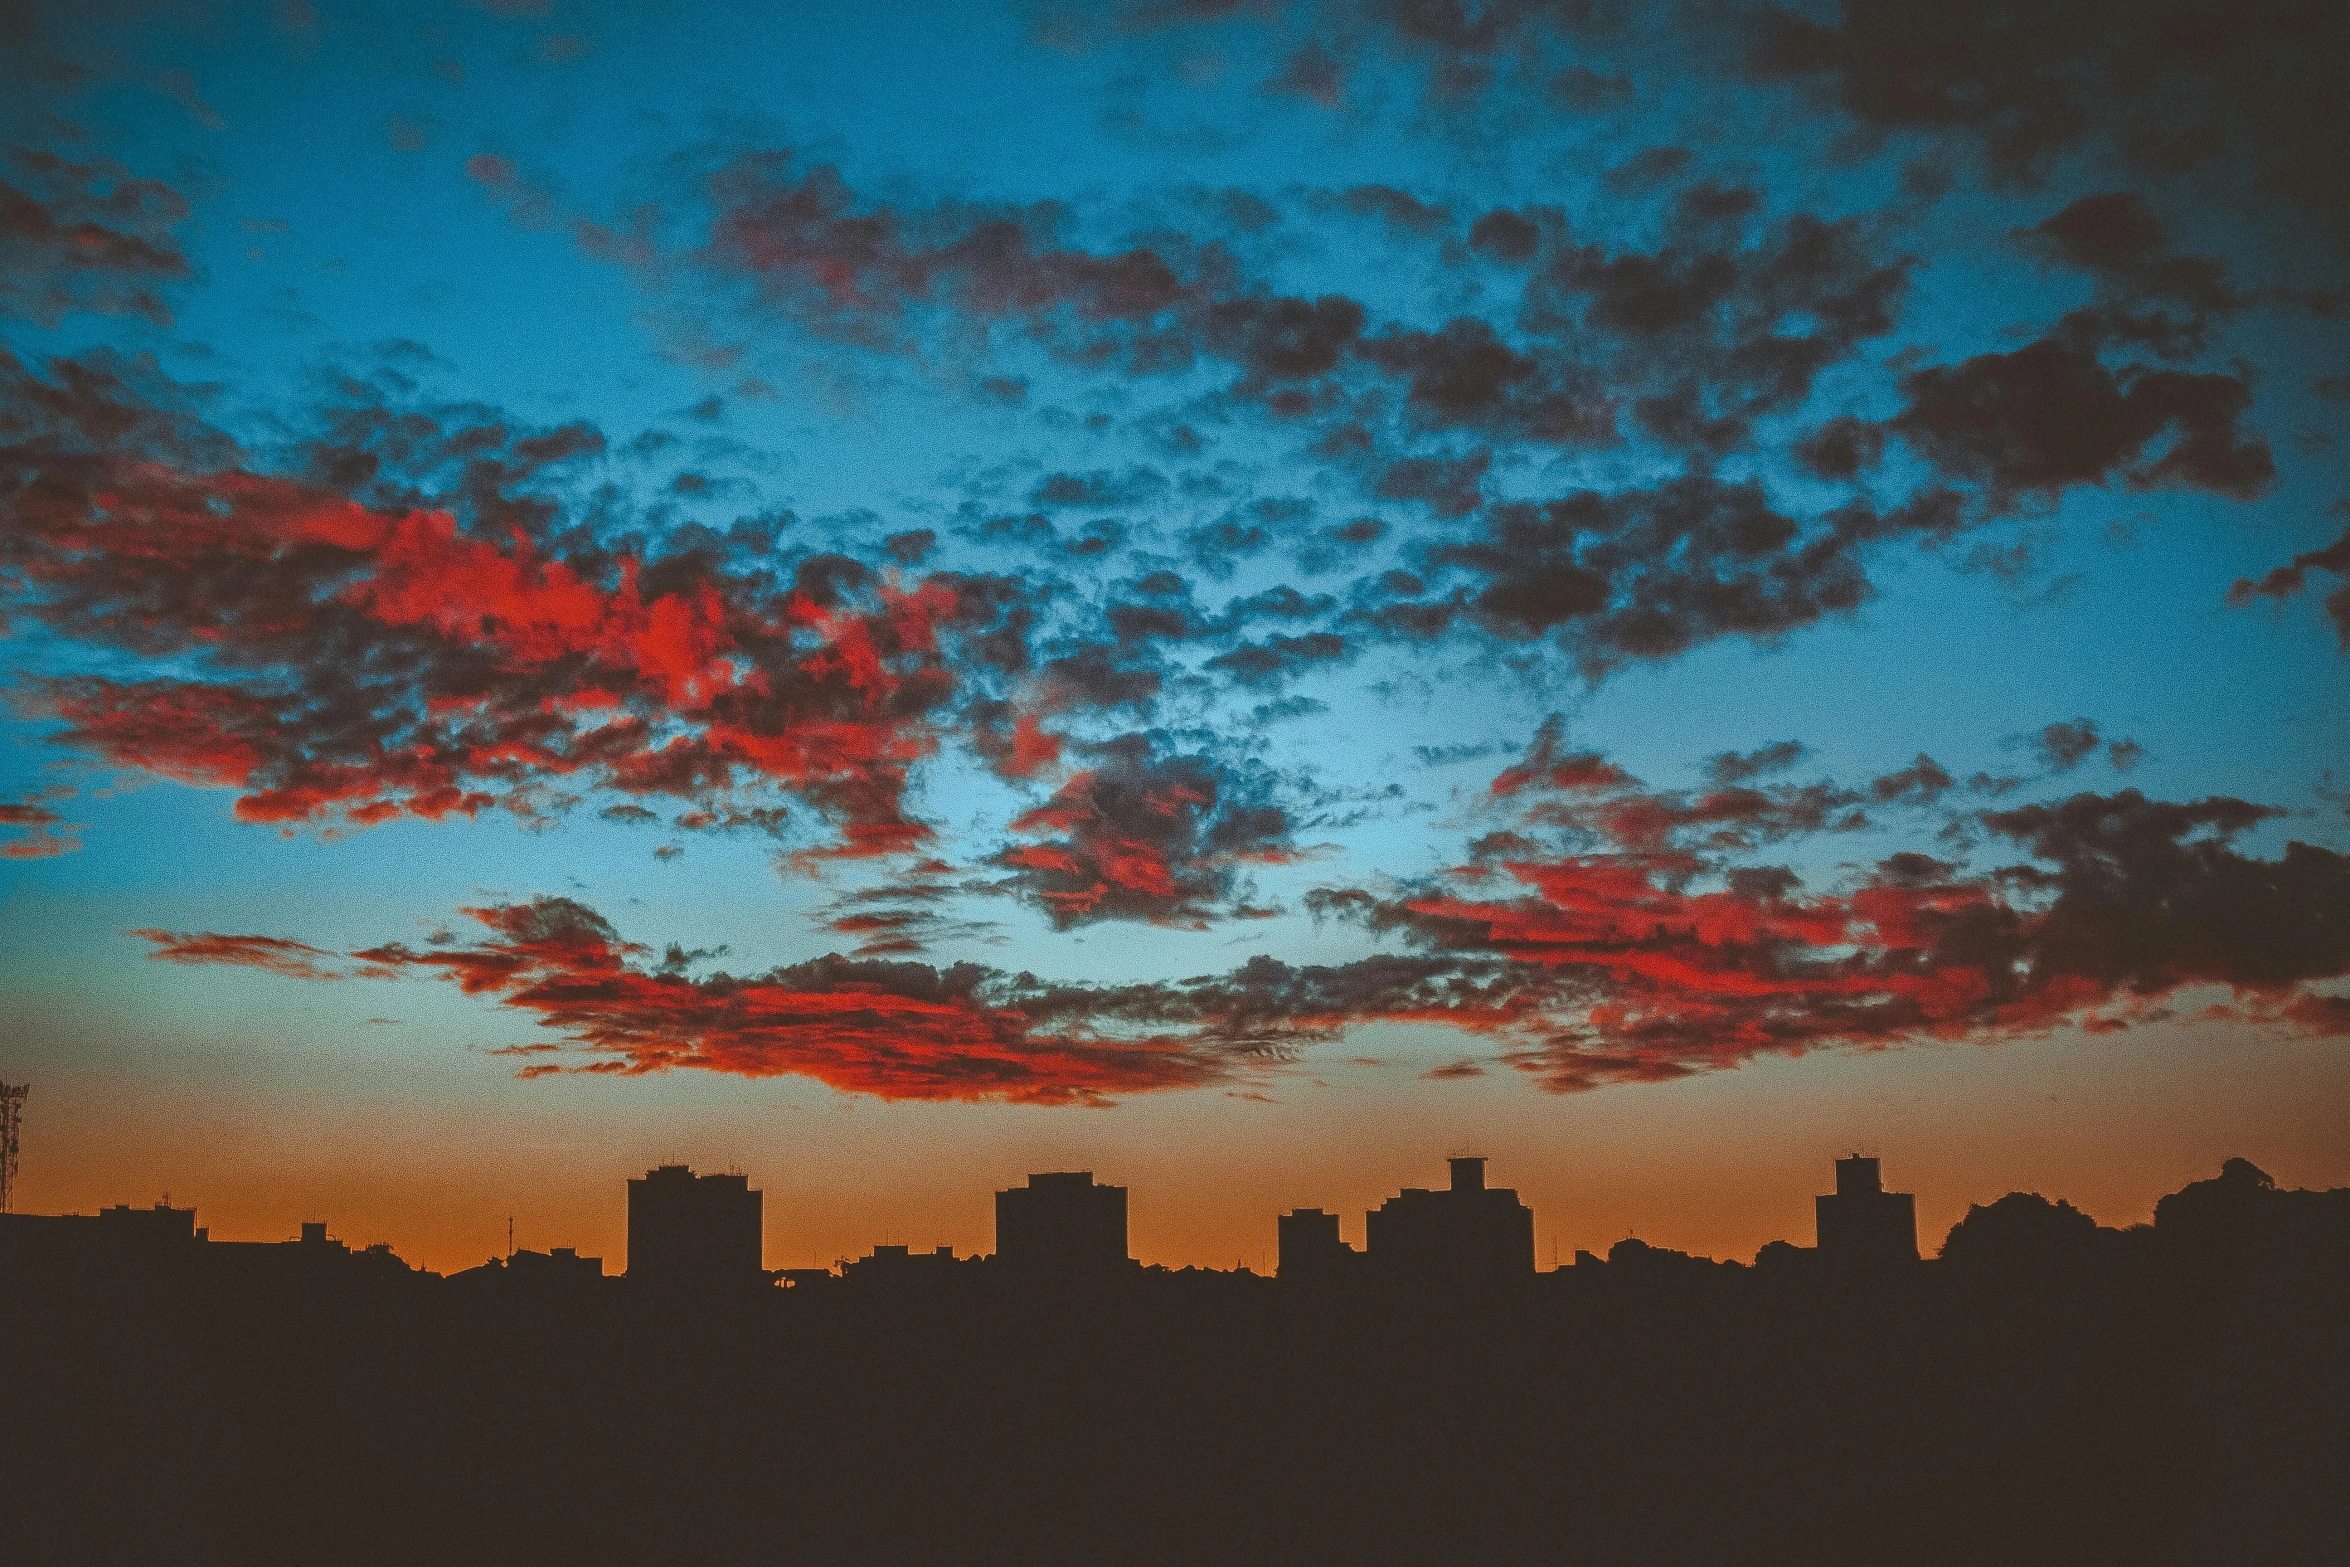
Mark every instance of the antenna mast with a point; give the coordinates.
(11, 1114)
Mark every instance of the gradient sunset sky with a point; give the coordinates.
(1243, 596)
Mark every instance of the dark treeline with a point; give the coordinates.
(2046, 1391)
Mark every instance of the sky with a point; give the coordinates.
(1241, 595)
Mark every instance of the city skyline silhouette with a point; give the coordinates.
(685, 1228)
(2171, 1391)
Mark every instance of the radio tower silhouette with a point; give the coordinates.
(11, 1114)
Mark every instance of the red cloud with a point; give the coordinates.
(352, 663)
(43, 833)
(901, 1030)
(277, 954)
(1146, 837)
(1662, 976)
(894, 1030)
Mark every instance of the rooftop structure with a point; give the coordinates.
(1861, 1222)
(689, 1231)
(1061, 1225)
(1311, 1251)
(1469, 1234)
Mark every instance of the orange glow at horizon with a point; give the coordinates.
(1717, 1165)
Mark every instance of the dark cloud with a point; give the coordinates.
(1257, 663)
(1592, 802)
(1922, 782)
(86, 236)
(2050, 415)
(1398, 208)
(2162, 84)
(1841, 449)
(1647, 169)
(1549, 765)
(2063, 747)
(1463, 376)
(1696, 334)
(1505, 236)
(1147, 834)
(1101, 676)
(1697, 337)
(2285, 581)
(2152, 895)
(1586, 91)
(1651, 573)
(857, 270)
(1448, 486)
(1730, 767)
(1134, 487)
(2117, 237)
(1312, 72)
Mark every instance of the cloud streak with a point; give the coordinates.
(1684, 956)
(1660, 949)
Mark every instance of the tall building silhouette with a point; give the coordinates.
(1310, 1248)
(1861, 1222)
(694, 1231)
(1061, 1225)
(1470, 1234)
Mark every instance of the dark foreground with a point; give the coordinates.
(2124, 1402)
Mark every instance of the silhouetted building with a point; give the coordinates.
(1471, 1234)
(119, 1236)
(161, 1225)
(563, 1268)
(563, 1265)
(694, 1231)
(1311, 1251)
(902, 1267)
(1864, 1223)
(562, 1262)
(1061, 1225)
(314, 1260)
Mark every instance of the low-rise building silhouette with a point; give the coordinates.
(1861, 1222)
(163, 1243)
(1311, 1251)
(1061, 1225)
(688, 1231)
(1469, 1235)
(562, 1268)
(112, 1237)
(902, 1266)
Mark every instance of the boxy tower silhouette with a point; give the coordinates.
(1473, 1234)
(1311, 1251)
(694, 1231)
(1061, 1226)
(1861, 1222)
